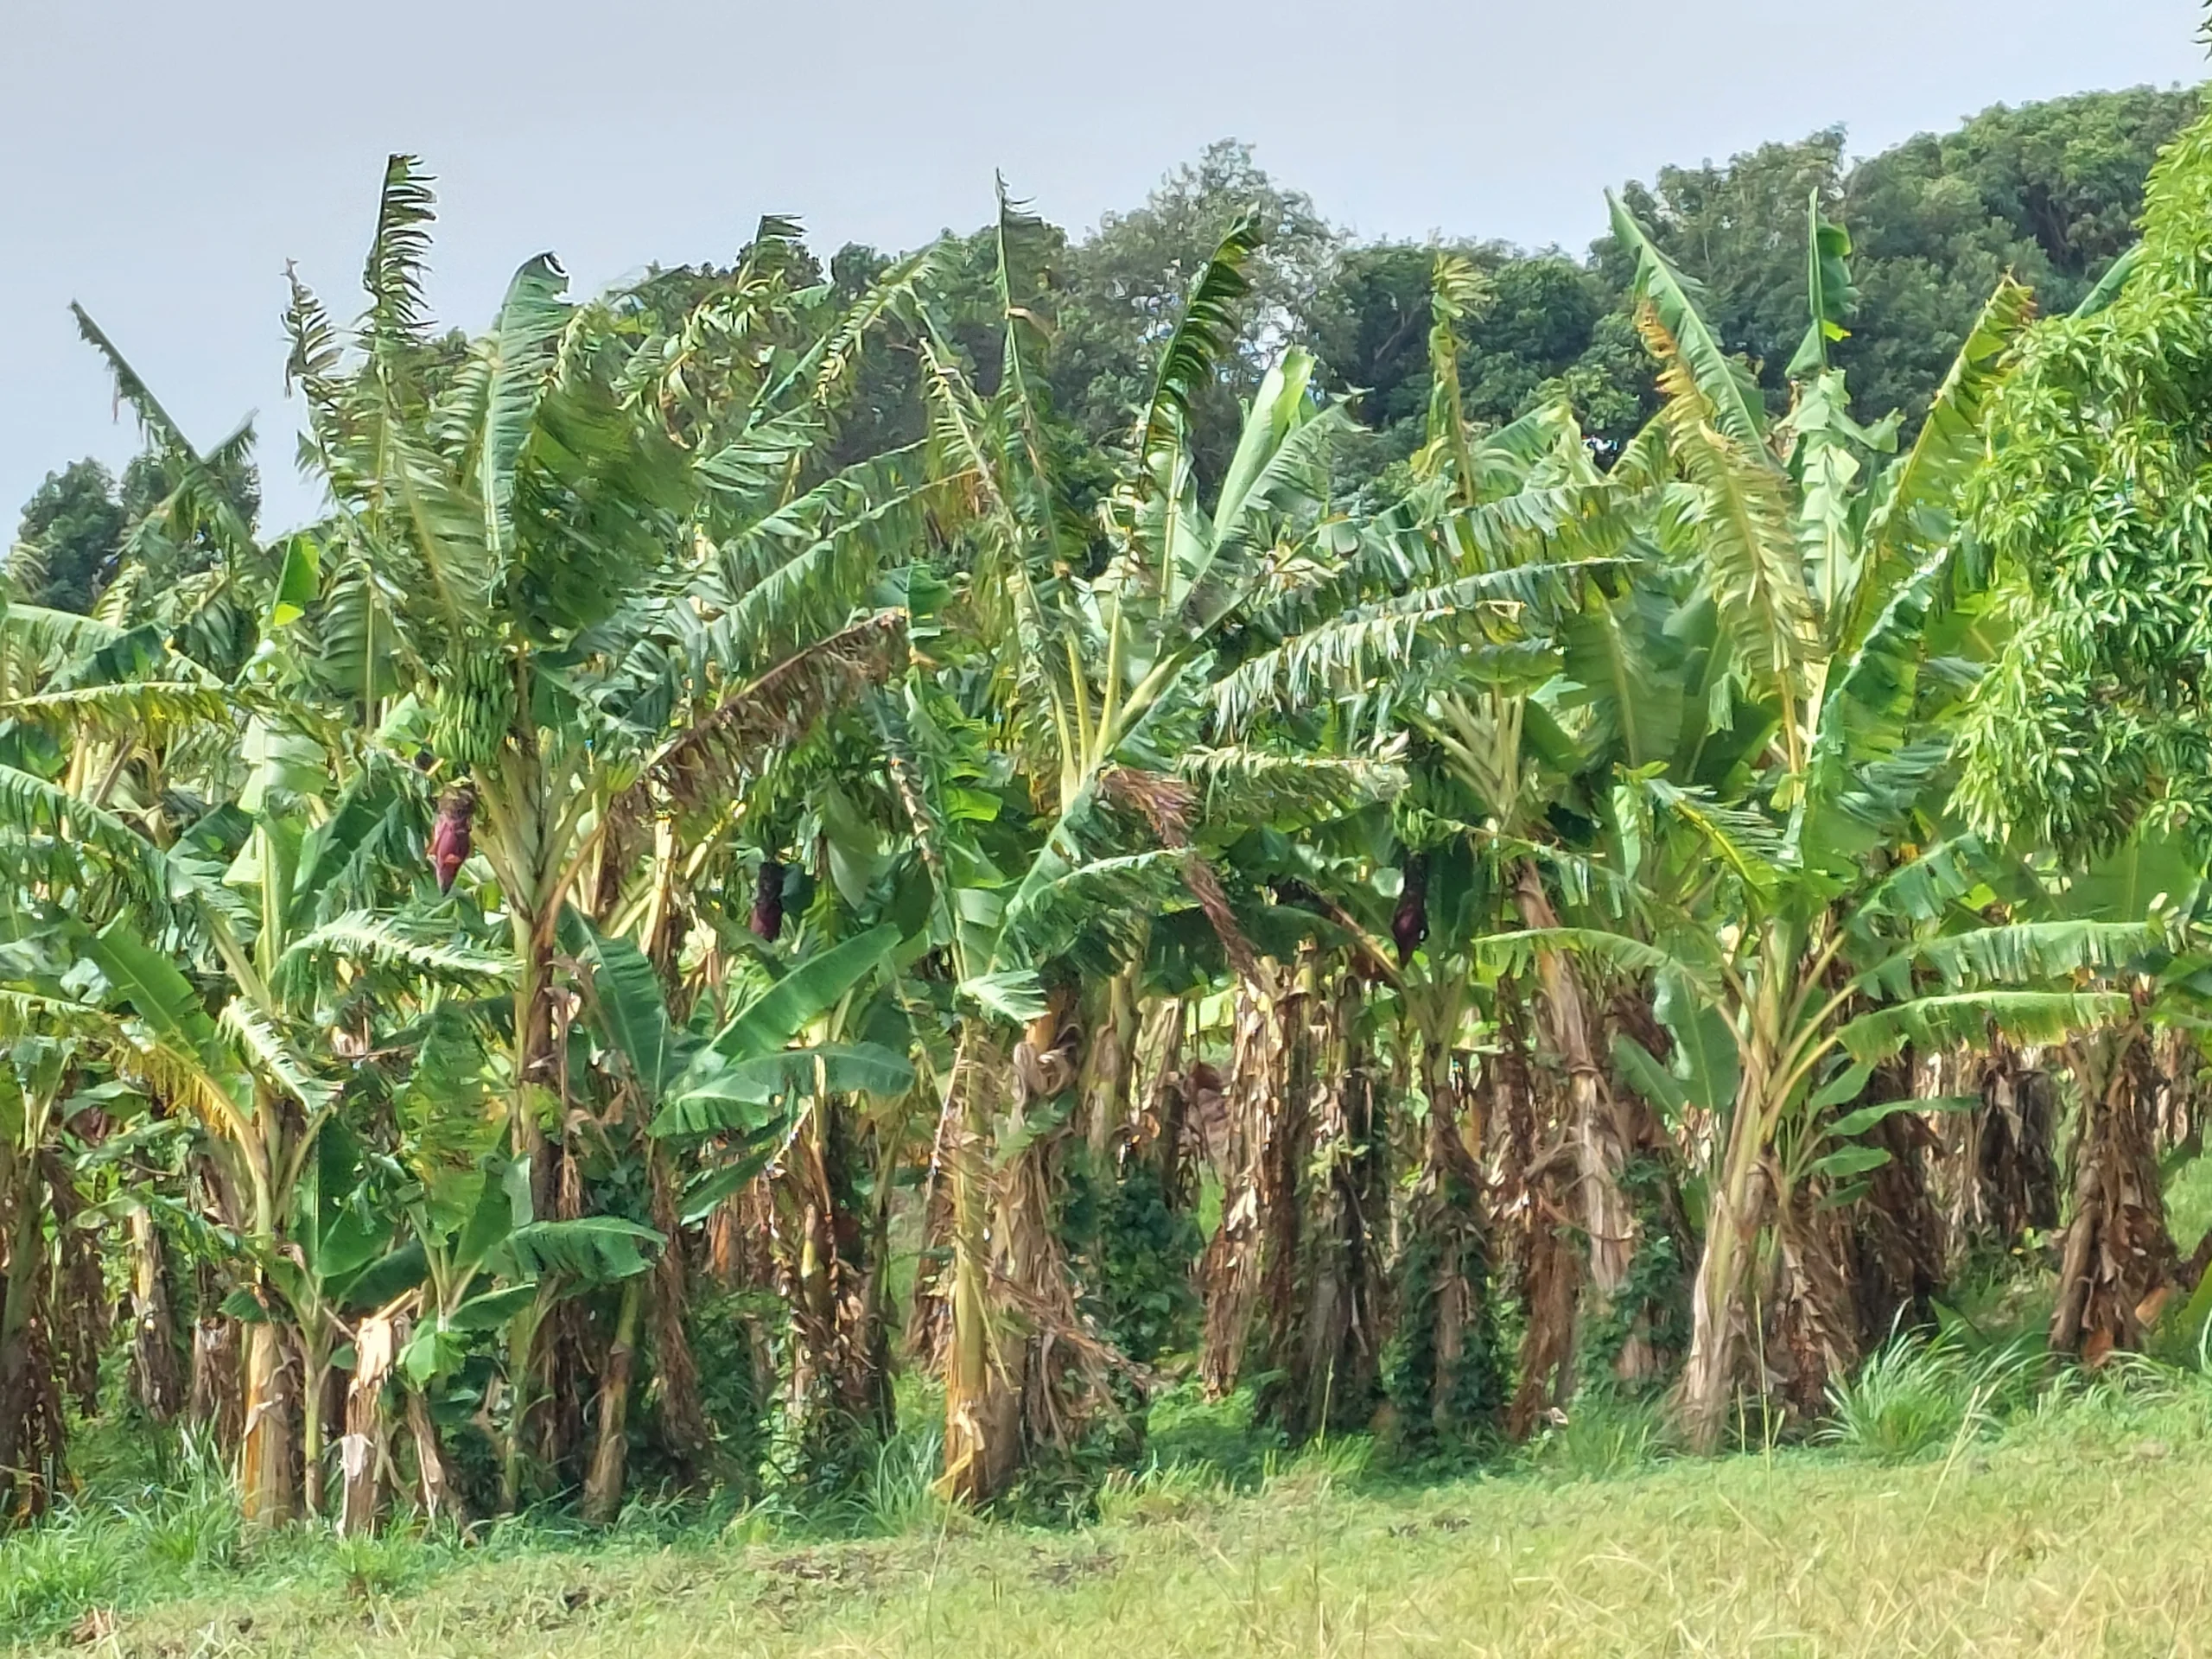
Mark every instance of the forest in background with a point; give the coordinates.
(1405, 839)
(2050, 192)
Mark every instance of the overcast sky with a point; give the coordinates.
(160, 161)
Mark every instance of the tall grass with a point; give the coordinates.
(901, 1495)
(54, 1575)
(2021, 1549)
(1600, 1437)
(95, 1553)
(1915, 1395)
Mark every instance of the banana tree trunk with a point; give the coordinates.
(1899, 1243)
(1168, 1112)
(156, 1382)
(1284, 1285)
(1023, 1366)
(1332, 1366)
(1444, 1380)
(603, 1485)
(2180, 1062)
(438, 1497)
(1535, 1215)
(517, 814)
(1237, 1257)
(2118, 1264)
(215, 1402)
(265, 1452)
(1812, 1304)
(1600, 1141)
(365, 1451)
(838, 1390)
(320, 1397)
(2005, 1178)
(1107, 1060)
(876, 1312)
(1733, 1217)
(81, 1306)
(983, 1379)
(24, 1240)
(537, 1056)
(1551, 1274)
(676, 1371)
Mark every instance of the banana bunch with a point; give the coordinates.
(473, 708)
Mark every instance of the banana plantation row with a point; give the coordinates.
(575, 972)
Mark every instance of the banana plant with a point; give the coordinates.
(1104, 682)
(601, 566)
(148, 728)
(415, 1242)
(599, 570)
(1814, 905)
(1449, 621)
(740, 1099)
(40, 1091)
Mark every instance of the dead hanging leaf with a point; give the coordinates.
(2147, 1310)
(374, 1344)
(1165, 802)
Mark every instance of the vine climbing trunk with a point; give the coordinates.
(2117, 1263)
(1444, 1376)
(1235, 1258)
(1333, 1366)
(1601, 1140)
(1536, 1215)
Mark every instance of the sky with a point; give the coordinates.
(161, 162)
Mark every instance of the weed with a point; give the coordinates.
(58, 1572)
(1600, 1437)
(192, 1524)
(1319, 1467)
(377, 1567)
(1160, 1493)
(1914, 1395)
(901, 1495)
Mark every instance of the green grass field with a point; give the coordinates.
(2075, 1526)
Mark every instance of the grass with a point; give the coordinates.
(2070, 1526)
(1912, 1397)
